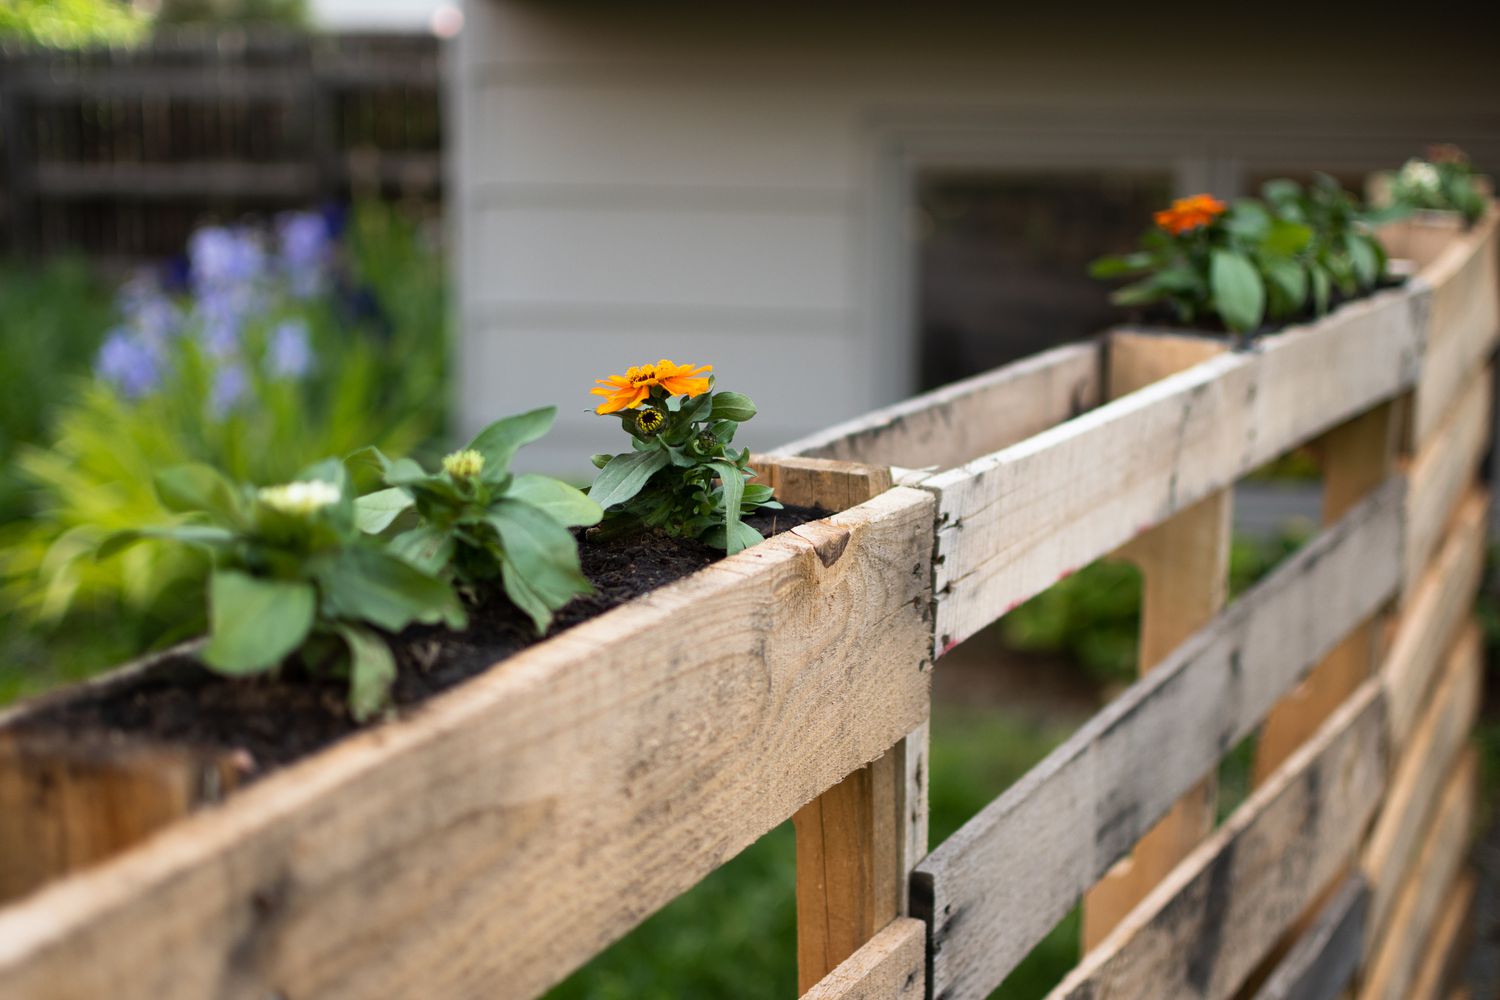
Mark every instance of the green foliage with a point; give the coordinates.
(69, 24)
(1252, 262)
(473, 521)
(682, 477)
(1444, 182)
(292, 572)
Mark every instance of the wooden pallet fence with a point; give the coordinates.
(587, 782)
(1326, 958)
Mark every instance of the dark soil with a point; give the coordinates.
(267, 722)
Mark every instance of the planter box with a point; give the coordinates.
(505, 831)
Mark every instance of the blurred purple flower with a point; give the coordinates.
(231, 386)
(305, 251)
(219, 257)
(290, 351)
(129, 363)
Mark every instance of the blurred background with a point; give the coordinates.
(258, 232)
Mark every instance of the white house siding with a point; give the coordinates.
(724, 183)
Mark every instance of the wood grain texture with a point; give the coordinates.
(889, 967)
(1012, 523)
(998, 885)
(1398, 953)
(1444, 953)
(1464, 278)
(1137, 358)
(1324, 959)
(505, 832)
(1438, 738)
(1204, 929)
(1356, 457)
(973, 417)
(1432, 618)
(1445, 469)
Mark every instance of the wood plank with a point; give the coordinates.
(1438, 738)
(889, 967)
(999, 885)
(586, 782)
(1356, 457)
(958, 422)
(1398, 952)
(1445, 469)
(1324, 959)
(1449, 942)
(1204, 929)
(1432, 618)
(1463, 324)
(818, 482)
(851, 874)
(1012, 523)
(1184, 564)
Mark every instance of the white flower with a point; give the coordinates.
(1420, 175)
(300, 499)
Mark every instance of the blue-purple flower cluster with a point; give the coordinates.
(241, 282)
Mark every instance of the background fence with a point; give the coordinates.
(118, 153)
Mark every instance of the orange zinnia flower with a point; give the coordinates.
(1190, 213)
(634, 387)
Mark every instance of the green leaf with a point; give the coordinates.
(1290, 279)
(1287, 238)
(1249, 220)
(734, 406)
(255, 623)
(745, 536)
(1239, 294)
(563, 503)
(192, 488)
(426, 547)
(1141, 293)
(204, 535)
(601, 459)
(372, 670)
(405, 472)
(1364, 259)
(540, 569)
(1117, 266)
(365, 583)
(733, 483)
(374, 512)
(625, 475)
(329, 470)
(500, 441)
(1321, 288)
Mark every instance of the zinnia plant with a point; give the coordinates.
(681, 476)
(1445, 181)
(293, 574)
(474, 522)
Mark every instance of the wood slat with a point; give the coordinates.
(973, 417)
(1431, 619)
(1445, 469)
(1463, 324)
(889, 967)
(1445, 950)
(1323, 961)
(1012, 523)
(1398, 953)
(1207, 927)
(585, 783)
(1438, 738)
(998, 886)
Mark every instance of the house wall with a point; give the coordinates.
(729, 185)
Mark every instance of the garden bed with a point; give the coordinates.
(680, 726)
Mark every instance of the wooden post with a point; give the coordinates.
(856, 846)
(1356, 457)
(1184, 564)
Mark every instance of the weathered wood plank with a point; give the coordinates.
(1398, 952)
(973, 417)
(1464, 321)
(1439, 736)
(1323, 961)
(998, 886)
(1011, 523)
(1136, 359)
(889, 967)
(1445, 469)
(1444, 952)
(820, 483)
(586, 782)
(1431, 619)
(1204, 929)
(1356, 457)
